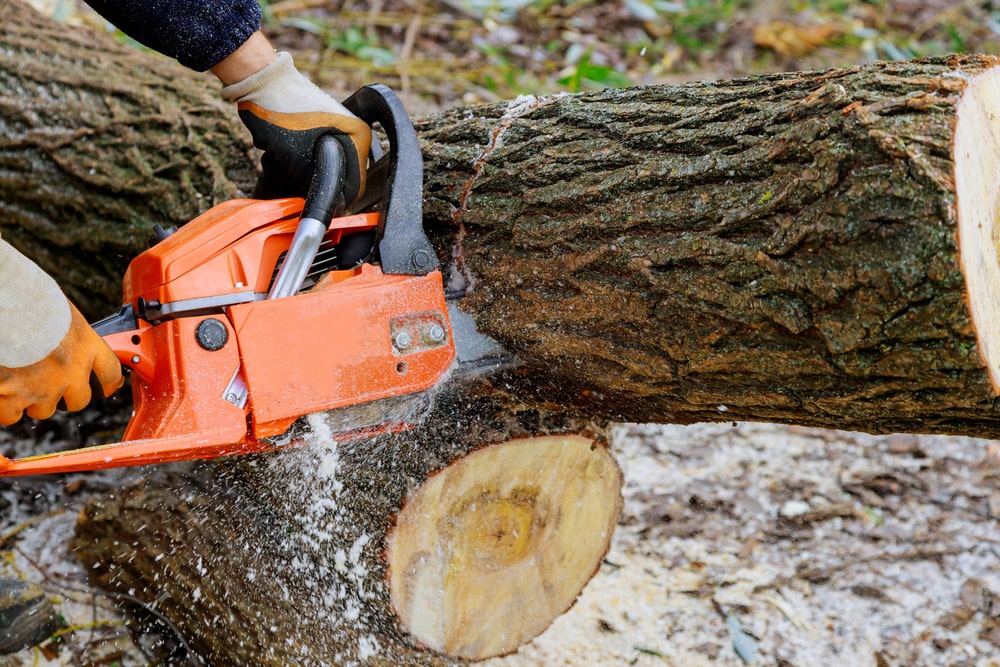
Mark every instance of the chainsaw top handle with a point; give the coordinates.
(402, 245)
(324, 201)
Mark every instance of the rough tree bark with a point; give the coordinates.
(780, 247)
(462, 539)
(798, 248)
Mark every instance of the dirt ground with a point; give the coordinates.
(739, 544)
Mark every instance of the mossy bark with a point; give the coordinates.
(98, 143)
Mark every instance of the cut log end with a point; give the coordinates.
(490, 550)
(977, 191)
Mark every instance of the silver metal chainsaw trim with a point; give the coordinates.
(474, 349)
(206, 305)
(299, 258)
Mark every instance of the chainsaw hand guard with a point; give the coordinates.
(402, 245)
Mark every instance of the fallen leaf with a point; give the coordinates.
(992, 459)
(905, 443)
(870, 592)
(743, 644)
(792, 40)
(976, 596)
(991, 632)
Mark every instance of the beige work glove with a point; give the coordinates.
(286, 113)
(49, 354)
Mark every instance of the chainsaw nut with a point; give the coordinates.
(212, 334)
(436, 333)
(421, 259)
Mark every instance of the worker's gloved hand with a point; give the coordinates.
(49, 356)
(286, 113)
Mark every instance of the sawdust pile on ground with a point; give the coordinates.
(823, 548)
(819, 547)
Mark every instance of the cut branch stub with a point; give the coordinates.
(490, 550)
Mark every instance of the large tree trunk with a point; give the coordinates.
(781, 247)
(98, 143)
(813, 248)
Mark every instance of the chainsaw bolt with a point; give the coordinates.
(135, 358)
(436, 333)
(420, 259)
(403, 340)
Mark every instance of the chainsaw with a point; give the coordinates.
(259, 313)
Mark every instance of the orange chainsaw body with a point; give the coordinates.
(332, 346)
(260, 312)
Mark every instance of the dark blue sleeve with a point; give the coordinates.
(198, 33)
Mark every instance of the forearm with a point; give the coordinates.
(198, 33)
(34, 314)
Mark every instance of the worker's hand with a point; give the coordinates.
(286, 113)
(49, 355)
(81, 364)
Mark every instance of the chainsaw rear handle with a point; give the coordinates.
(403, 247)
(324, 201)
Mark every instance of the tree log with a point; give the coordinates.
(98, 143)
(779, 248)
(782, 247)
(461, 540)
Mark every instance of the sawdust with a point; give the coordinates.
(704, 540)
(818, 548)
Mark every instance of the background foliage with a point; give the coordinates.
(465, 51)
(450, 52)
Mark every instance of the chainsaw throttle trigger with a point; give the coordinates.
(123, 320)
(403, 247)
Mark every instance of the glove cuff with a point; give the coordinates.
(34, 313)
(281, 88)
(261, 80)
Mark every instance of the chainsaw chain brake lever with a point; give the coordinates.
(403, 247)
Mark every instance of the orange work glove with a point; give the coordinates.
(286, 113)
(49, 354)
